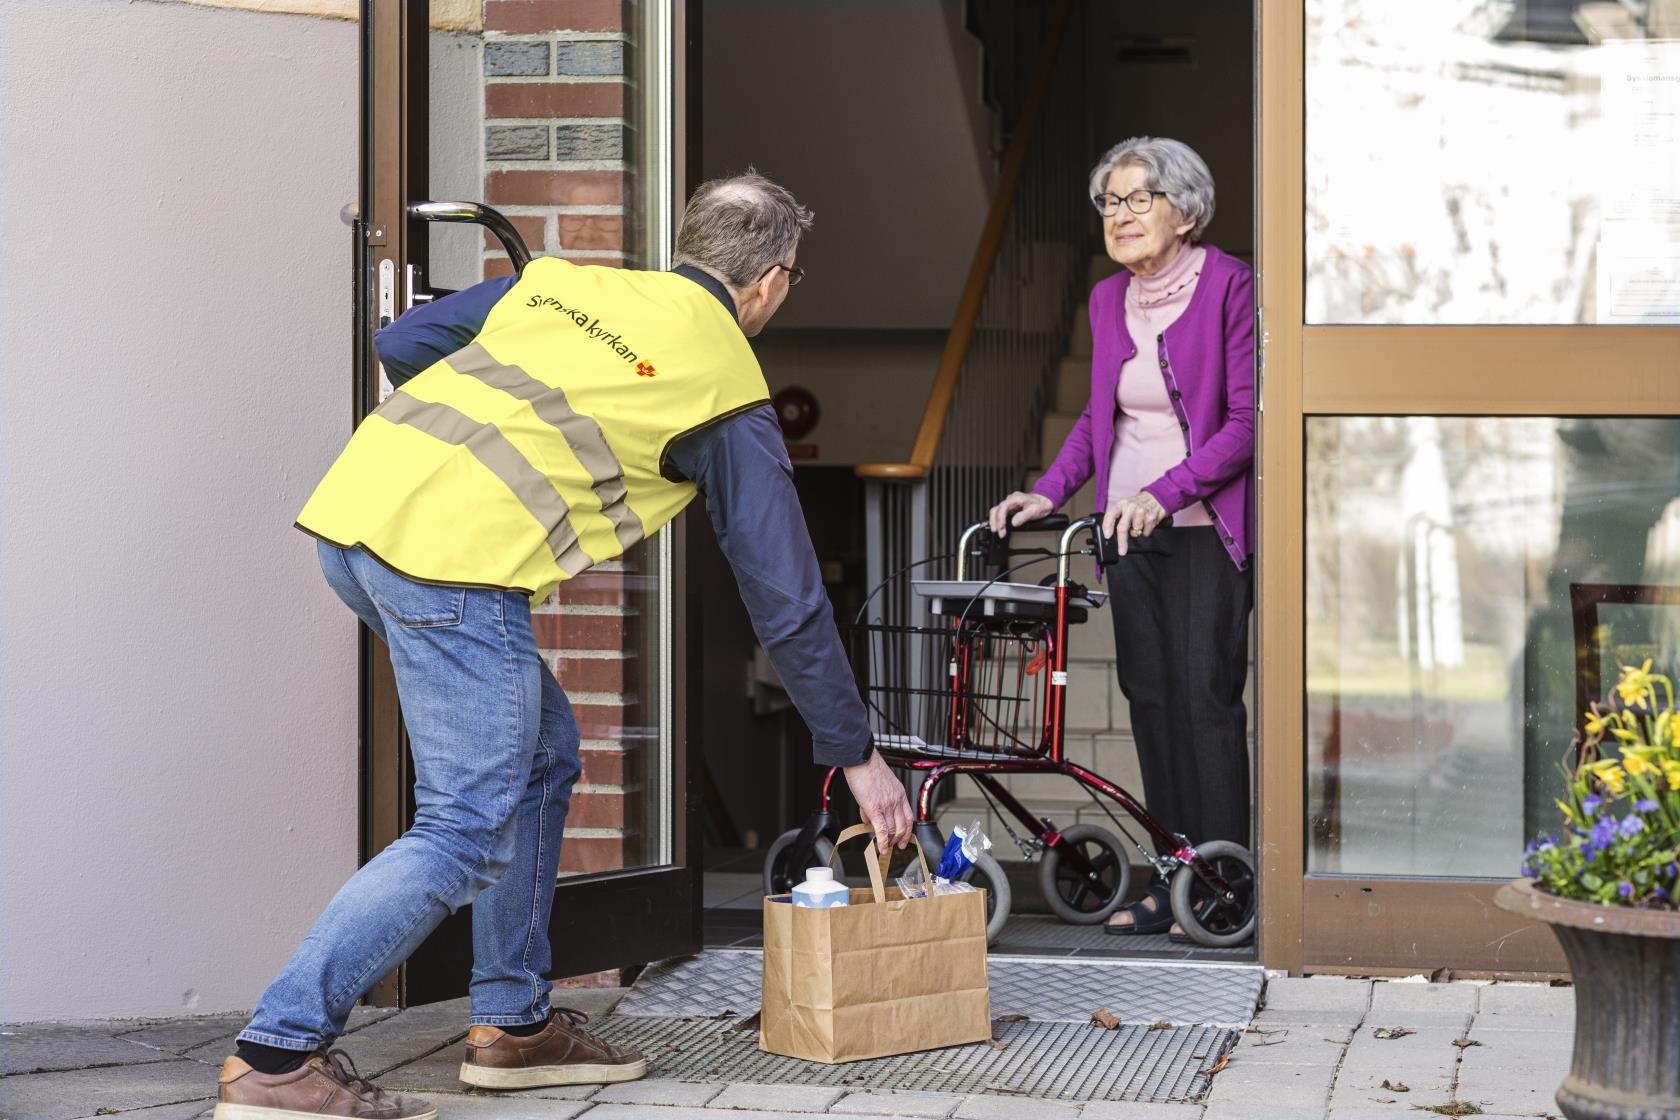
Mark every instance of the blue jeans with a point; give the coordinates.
(495, 750)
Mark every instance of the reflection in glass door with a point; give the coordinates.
(1445, 556)
(559, 117)
(1469, 446)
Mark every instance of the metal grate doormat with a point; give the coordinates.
(723, 983)
(1059, 1061)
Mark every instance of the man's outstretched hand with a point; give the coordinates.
(882, 802)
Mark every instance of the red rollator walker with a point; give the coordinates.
(980, 688)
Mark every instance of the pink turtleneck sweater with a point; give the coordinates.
(1147, 438)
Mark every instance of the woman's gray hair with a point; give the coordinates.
(1172, 166)
(736, 228)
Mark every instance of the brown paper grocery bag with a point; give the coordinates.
(884, 975)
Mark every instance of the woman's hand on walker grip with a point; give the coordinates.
(882, 802)
(1137, 516)
(1031, 507)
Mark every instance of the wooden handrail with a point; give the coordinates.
(944, 388)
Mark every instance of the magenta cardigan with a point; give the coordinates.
(1207, 360)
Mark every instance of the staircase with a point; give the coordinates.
(1098, 720)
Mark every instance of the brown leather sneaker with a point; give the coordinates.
(326, 1085)
(560, 1054)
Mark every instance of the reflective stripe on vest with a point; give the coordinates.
(538, 449)
(490, 447)
(582, 435)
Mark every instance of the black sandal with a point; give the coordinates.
(1150, 914)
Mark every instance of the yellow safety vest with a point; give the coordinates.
(539, 448)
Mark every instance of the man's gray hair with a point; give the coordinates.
(1172, 166)
(736, 228)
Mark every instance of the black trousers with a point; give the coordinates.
(1181, 639)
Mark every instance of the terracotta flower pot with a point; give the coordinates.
(1626, 967)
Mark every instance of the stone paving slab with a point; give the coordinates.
(778, 1098)
(177, 1036)
(658, 1112)
(190, 1110)
(415, 1033)
(1332, 994)
(1249, 1110)
(44, 1049)
(1528, 1000)
(1410, 998)
(1287, 1045)
(1014, 1108)
(897, 1102)
(1139, 1110)
(685, 1094)
(75, 1093)
(508, 1106)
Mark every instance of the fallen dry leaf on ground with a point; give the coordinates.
(1392, 1032)
(996, 1045)
(1463, 1043)
(1010, 1019)
(1159, 1025)
(1224, 1060)
(1453, 1108)
(1103, 1019)
(999, 1087)
(1395, 1086)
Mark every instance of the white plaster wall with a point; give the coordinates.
(177, 698)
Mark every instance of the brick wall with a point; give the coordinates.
(558, 110)
(556, 107)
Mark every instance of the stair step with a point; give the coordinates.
(1079, 340)
(1055, 431)
(1101, 268)
(1073, 385)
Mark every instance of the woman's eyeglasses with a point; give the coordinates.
(1138, 202)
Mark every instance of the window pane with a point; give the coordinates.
(1492, 161)
(1440, 659)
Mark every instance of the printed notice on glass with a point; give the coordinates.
(1639, 240)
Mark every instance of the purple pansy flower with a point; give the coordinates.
(1632, 826)
(1645, 805)
(1592, 804)
(1625, 890)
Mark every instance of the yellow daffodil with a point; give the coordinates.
(1664, 726)
(1636, 763)
(1597, 722)
(1671, 771)
(1614, 780)
(1634, 684)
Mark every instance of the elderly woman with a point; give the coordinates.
(1169, 432)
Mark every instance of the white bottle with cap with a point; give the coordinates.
(819, 890)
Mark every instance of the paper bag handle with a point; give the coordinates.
(878, 864)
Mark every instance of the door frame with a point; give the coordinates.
(1338, 923)
(612, 919)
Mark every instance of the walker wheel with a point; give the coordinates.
(1209, 919)
(1085, 895)
(780, 873)
(987, 874)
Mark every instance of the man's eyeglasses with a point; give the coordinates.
(1138, 202)
(794, 272)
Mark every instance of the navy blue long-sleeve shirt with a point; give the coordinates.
(741, 468)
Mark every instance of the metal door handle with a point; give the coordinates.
(476, 213)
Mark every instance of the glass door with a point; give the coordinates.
(1470, 289)
(490, 132)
